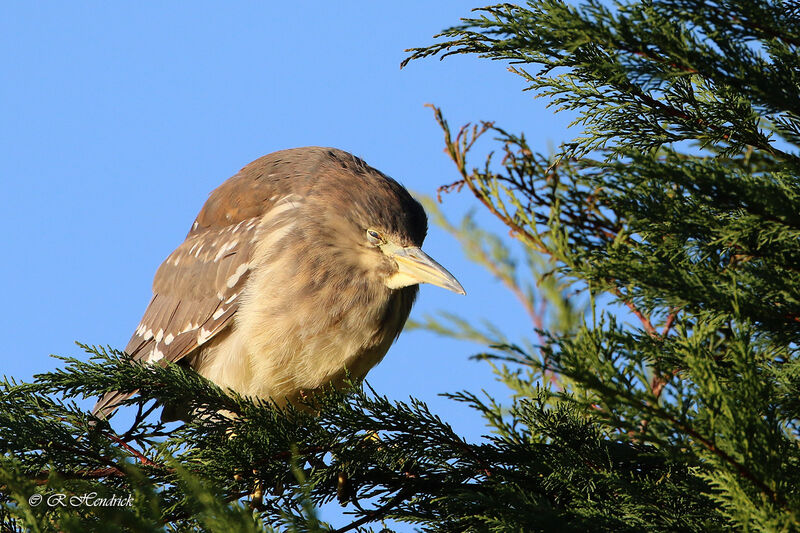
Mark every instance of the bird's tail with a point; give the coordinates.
(109, 403)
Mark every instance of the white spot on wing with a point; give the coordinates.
(155, 355)
(203, 336)
(234, 279)
(232, 298)
(218, 313)
(148, 335)
(168, 339)
(159, 335)
(189, 327)
(230, 245)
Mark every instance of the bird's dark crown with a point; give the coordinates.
(368, 198)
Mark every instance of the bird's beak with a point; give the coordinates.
(415, 266)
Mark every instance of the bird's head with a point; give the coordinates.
(403, 263)
(380, 225)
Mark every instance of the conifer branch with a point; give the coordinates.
(679, 199)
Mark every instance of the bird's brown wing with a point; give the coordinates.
(195, 295)
(197, 288)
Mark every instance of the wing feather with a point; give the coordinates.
(195, 297)
(196, 290)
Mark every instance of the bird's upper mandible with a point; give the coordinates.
(302, 265)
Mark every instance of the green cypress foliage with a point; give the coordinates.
(660, 268)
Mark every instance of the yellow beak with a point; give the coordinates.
(415, 266)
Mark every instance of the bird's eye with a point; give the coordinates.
(374, 237)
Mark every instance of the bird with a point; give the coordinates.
(299, 272)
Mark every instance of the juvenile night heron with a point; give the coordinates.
(298, 269)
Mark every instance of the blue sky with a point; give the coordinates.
(118, 119)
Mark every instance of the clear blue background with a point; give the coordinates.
(117, 120)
